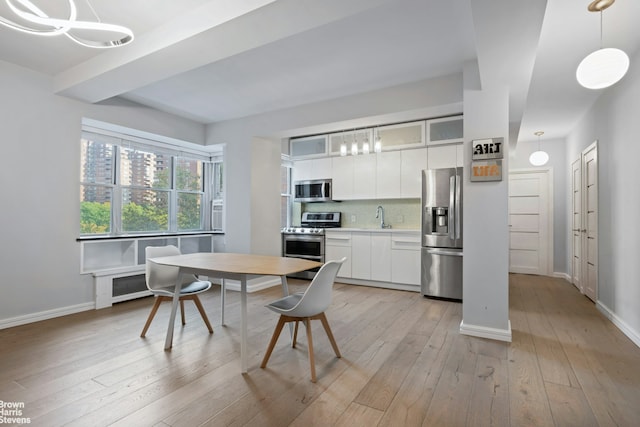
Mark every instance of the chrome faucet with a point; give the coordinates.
(380, 214)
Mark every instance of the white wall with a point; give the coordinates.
(613, 121)
(39, 219)
(561, 169)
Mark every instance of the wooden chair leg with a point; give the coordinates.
(327, 329)
(154, 309)
(295, 335)
(272, 343)
(200, 308)
(312, 363)
(182, 311)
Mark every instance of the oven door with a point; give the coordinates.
(306, 247)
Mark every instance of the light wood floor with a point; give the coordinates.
(404, 364)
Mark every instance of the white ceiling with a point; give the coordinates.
(213, 60)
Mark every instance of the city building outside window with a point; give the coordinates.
(130, 188)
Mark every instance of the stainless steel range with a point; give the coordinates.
(307, 241)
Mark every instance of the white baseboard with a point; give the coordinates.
(253, 285)
(44, 315)
(486, 332)
(564, 276)
(621, 324)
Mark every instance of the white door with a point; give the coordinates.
(530, 222)
(576, 224)
(589, 229)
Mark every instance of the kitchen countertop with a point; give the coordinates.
(374, 230)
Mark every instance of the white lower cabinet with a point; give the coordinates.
(371, 256)
(405, 258)
(384, 258)
(381, 257)
(361, 255)
(336, 247)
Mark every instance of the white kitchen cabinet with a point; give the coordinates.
(361, 255)
(381, 257)
(388, 175)
(342, 171)
(445, 130)
(364, 177)
(412, 164)
(304, 170)
(337, 245)
(445, 156)
(405, 258)
(402, 135)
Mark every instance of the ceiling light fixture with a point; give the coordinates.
(365, 145)
(539, 158)
(36, 22)
(377, 145)
(354, 145)
(604, 67)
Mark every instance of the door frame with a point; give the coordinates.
(583, 243)
(593, 147)
(576, 276)
(550, 219)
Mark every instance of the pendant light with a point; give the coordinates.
(30, 19)
(365, 144)
(539, 158)
(604, 67)
(377, 145)
(354, 145)
(343, 146)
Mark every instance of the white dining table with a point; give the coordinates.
(235, 267)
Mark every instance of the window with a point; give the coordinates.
(129, 187)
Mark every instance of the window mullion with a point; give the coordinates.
(116, 198)
(173, 197)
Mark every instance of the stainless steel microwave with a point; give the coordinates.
(316, 190)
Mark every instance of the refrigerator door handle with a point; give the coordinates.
(452, 203)
(458, 190)
(437, 251)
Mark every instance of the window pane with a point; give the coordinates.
(96, 162)
(145, 210)
(189, 211)
(189, 175)
(95, 209)
(218, 173)
(145, 169)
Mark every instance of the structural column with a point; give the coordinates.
(485, 306)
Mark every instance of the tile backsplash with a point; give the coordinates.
(399, 213)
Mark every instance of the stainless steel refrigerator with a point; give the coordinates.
(441, 274)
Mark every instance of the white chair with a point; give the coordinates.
(306, 306)
(161, 281)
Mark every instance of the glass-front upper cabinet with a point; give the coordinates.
(445, 130)
(308, 146)
(351, 142)
(403, 135)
